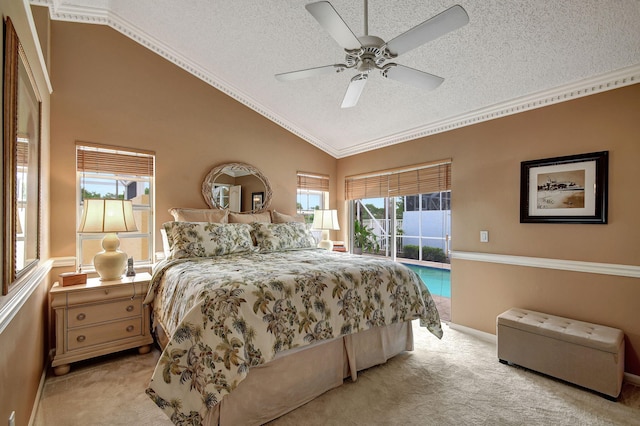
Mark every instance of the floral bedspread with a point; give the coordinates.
(225, 314)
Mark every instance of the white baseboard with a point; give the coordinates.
(36, 402)
(487, 337)
(632, 378)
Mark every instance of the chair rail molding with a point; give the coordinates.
(632, 271)
(22, 291)
(59, 262)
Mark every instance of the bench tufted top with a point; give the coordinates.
(595, 336)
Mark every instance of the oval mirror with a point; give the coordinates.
(239, 187)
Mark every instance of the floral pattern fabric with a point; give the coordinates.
(206, 239)
(282, 236)
(225, 314)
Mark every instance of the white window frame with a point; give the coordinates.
(81, 177)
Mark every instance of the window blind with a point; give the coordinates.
(417, 179)
(22, 149)
(121, 161)
(313, 181)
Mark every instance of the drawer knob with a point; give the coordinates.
(81, 338)
(106, 291)
(130, 329)
(130, 308)
(80, 317)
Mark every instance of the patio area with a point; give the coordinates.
(444, 307)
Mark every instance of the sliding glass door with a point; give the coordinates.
(412, 229)
(416, 227)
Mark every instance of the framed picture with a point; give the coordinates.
(570, 189)
(257, 199)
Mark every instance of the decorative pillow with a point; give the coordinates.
(282, 236)
(200, 215)
(264, 217)
(285, 218)
(205, 239)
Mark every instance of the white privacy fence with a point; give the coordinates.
(437, 234)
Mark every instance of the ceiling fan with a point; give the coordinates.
(366, 53)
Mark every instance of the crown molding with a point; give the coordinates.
(604, 82)
(589, 86)
(87, 15)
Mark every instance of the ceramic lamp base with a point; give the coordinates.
(325, 242)
(111, 263)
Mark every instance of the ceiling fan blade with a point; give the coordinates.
(412, 76)
(449, 20)
(354, 90)
(311, 72)
(329, 19)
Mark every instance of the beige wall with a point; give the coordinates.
(111, 90)
(485, 196)
(23, 343)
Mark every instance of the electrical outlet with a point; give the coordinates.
(484, 236)
(12, 419)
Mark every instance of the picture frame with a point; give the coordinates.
(570, 189)
(257, 200)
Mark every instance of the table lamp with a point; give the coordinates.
(108, 217)
(326, 220)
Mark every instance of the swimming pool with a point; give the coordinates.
(438, 280)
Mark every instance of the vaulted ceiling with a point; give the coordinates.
(511, 56)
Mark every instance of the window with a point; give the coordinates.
(424, 227)
(431, 201)
(312, 194)
(403, 213)
(116, 173)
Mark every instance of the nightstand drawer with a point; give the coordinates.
(82, 337)
(98, 318)
(101, 294)
(90, 314)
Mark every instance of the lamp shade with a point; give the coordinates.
(109, 217)
(325, 220)
(103, 216)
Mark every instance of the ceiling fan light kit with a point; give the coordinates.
(367, 53)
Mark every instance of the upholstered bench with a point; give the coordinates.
(585, 354)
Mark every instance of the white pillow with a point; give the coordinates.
(264, 217)
(277, 217)
(199, 215)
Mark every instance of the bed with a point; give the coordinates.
(255, 321)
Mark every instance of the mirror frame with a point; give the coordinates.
(209, 180)
(14, 56)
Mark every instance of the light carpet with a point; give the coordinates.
(454, 381)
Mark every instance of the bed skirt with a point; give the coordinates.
(297, 376)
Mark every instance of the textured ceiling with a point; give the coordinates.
(510, 57)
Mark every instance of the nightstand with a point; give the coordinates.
(98, 318)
